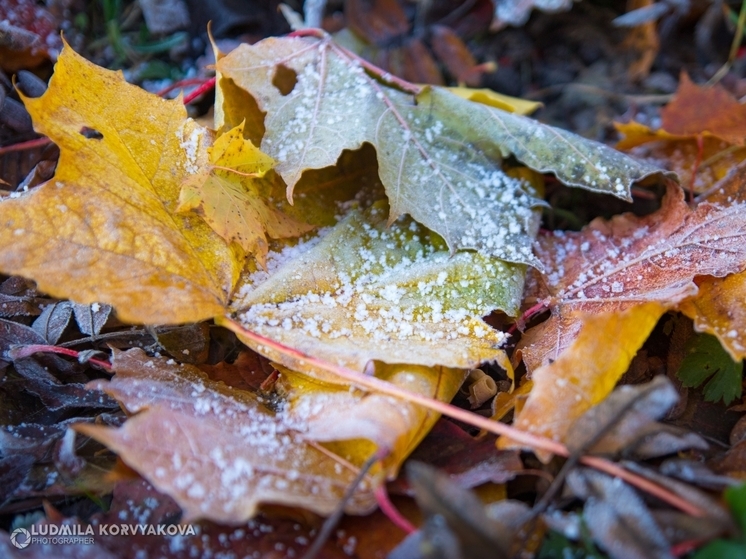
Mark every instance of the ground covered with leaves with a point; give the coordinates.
(358, 293)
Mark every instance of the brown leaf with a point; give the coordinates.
(455, 55)
(614, 265)
(377, 21)
(218, 452)
(705, 110)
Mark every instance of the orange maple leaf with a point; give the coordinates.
(705, 110)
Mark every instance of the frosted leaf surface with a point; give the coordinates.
(439, 155)
(367, 291)
(217, 451)
(614, 265)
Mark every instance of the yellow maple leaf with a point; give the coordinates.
(229, 196)
(104, 227)
(586, 372)
(354, 423)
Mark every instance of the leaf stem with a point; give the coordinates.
(207, 86)
(22, 146)
(459, 414)
(391, 512)
(28, 350)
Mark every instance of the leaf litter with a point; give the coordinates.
(372, 291)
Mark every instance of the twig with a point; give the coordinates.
(331, 522)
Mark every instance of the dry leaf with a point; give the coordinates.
(618, 519)
(109, 211)
(217, 451)
(586, 372)
(497, 100)
(614, 265)
(330, 412)
(699, 110)
(626, 422)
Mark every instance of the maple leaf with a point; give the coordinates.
(705, 110)
(613, 265)
(103, 229)
(439, 155)
(235, 204)
(217, 451)
(630, 269)
(365, 291)
(695, 111)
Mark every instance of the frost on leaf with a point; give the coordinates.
(366, 291)
(718, 306)
(217, 451)
(439, 155)
(109, 210)
(613, 265)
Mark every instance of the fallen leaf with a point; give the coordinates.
(29, 35)
(432, 137)
(699, 110)
(109, 210)
(698, 162)
(626, 422)
(371, 292)
(91, 318)
(468, 461)
(476, 534)
(454, 55)
(586, 372)
(216, 451)
(15, 333)
(53, 321)
(618, 519)
(497, 100)
(615, 265)
(229, 197)
(330, 412)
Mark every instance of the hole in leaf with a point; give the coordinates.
(91, 133)
(284, 79)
